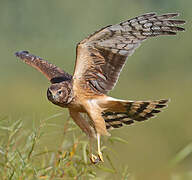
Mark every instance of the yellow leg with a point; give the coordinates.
(94, 159)
(99, 148)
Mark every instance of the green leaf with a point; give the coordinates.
(110, 162)
(5, 128)
(181, 155)
(84, 144)
(118, 139)
(15, 128)
(106, 169)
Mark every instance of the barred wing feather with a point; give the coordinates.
(101, 56)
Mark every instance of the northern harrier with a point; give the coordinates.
(99, 61)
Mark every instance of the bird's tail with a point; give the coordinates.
(120, 112)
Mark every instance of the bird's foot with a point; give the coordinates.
(94, 159)
(100, 156)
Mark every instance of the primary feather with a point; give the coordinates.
(101, 56)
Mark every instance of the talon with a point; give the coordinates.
(94, 159)
(100, 156)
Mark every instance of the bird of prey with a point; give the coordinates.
(99, 61)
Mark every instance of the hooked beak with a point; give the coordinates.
(52, 95)
(55, 96)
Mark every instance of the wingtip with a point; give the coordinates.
(180, 29)
(20, 53)
(164, 101)
(151, 13)
(174, 14)
(171, 15)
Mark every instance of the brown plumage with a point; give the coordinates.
(99, 61)
(130, 111)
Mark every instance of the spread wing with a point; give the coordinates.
(52, 72)
(101, 56)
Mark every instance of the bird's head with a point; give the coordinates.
(60, 93)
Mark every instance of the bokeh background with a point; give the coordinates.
(160, 68)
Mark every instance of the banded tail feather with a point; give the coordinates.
(126, 112)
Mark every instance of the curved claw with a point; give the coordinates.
(94, 159)
(100, 156)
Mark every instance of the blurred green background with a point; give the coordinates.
(160, 68)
